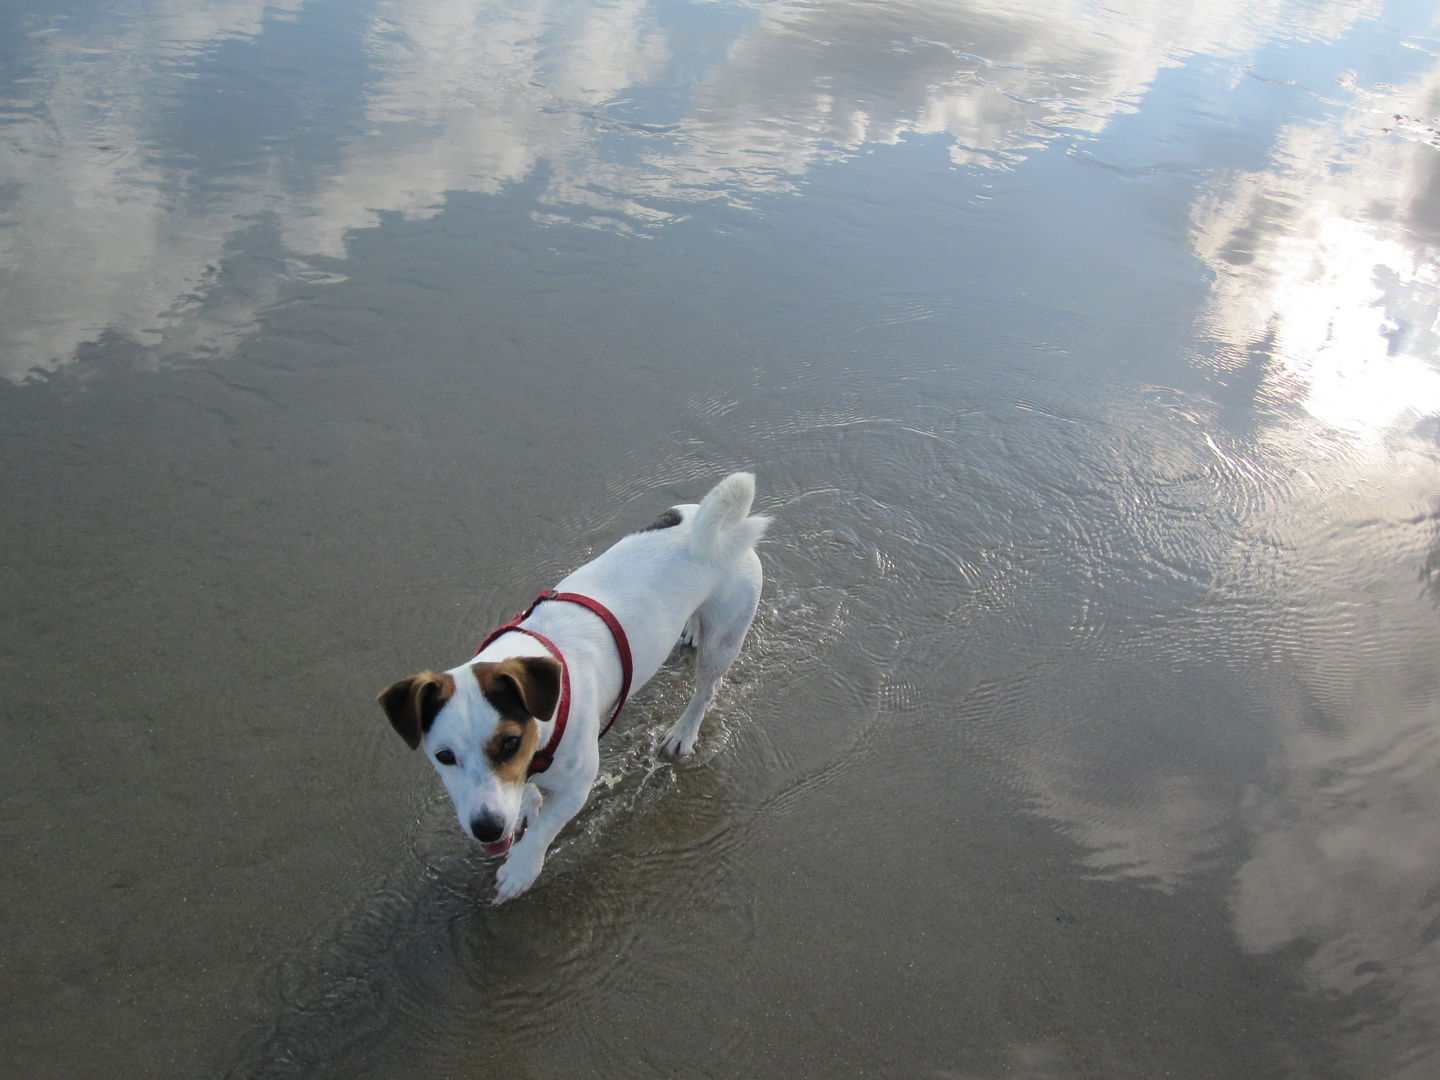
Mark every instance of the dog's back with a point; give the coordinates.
(655, 580)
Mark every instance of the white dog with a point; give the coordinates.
(528, 710)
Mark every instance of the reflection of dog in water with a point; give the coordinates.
(525, 715)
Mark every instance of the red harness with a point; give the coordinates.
(542, 759)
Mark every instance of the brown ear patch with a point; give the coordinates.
(521, 686)
(412, 704)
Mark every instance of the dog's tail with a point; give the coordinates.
(721, 531)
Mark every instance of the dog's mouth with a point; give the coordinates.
(501, 846)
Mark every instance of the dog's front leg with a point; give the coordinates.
(526, 858)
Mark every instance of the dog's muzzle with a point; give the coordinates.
(489, 829)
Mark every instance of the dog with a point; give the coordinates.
(514, 732)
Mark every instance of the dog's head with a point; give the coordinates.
(479, 728)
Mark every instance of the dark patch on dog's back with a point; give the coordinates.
(668, 520)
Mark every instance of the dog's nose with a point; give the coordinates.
(487, 827)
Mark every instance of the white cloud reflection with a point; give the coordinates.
(1322, 614)
(1345, 857)
(1329, 259)
(104, 231)
(96, 234)
(1326, 258)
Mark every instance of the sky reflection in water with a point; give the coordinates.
(154, 198)
(151, 202)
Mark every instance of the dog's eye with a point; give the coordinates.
(445, 757)
(509, 746)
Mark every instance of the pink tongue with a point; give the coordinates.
(499, 847)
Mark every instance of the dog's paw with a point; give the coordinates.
(690, 636)
(516, 875)
(679, 744)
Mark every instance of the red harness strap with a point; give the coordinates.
(542, 759)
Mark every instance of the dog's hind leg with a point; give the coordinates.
(718, 628)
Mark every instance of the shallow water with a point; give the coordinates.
(1090, 725)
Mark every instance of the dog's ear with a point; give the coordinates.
(521, 686)
(412, 704)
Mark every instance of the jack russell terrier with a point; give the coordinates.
(526, 713)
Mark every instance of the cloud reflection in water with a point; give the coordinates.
(120, 224)
(1320, 624)
(1327, 259)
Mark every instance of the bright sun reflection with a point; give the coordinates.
(1333, 332)
(1322, 256)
